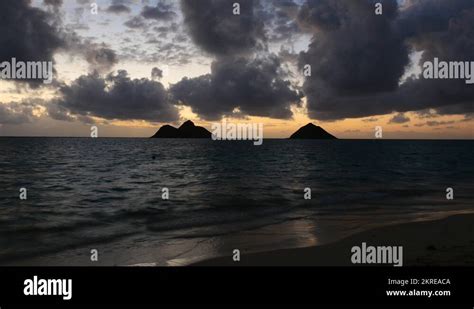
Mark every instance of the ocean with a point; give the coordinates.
(106, 194)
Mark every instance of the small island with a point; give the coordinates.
(186, 130)
(311, 131)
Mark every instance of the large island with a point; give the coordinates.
(311, 131)
(186, 130)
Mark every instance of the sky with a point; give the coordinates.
(133, 65)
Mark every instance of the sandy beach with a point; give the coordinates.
(445, 242)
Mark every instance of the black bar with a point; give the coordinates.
(238, 285)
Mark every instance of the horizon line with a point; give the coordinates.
(269, 138)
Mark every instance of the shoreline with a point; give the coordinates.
(444, 242)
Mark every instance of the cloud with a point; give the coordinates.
(435, 123)
(399, 118)
(280, 19)
(55, 3)
(14, 113)
(362, 55)
(358, 58)
(448, 37)
(28, 33)
(31, 34)
(156, 74)
(162, 11)
(215, 29)
(101, 58)
(371, 119)
(323, 15)
(239, 86)
(57, 112)
(116, 96)
(287, 55)
(118, 8)
(136, 22)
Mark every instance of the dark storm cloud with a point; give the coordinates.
(238, 86)
(362, 52)
(214, 28)
(281, 22)
(116, 97)
(322, 15)
(28, 33)
(442, 29)
(31, 34)
(358, 58)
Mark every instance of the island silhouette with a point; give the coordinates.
(311, 131)
(189, 130)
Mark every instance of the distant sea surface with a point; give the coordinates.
(106, 194)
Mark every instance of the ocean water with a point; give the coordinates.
(106, 194)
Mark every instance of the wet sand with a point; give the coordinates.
(445, 242)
